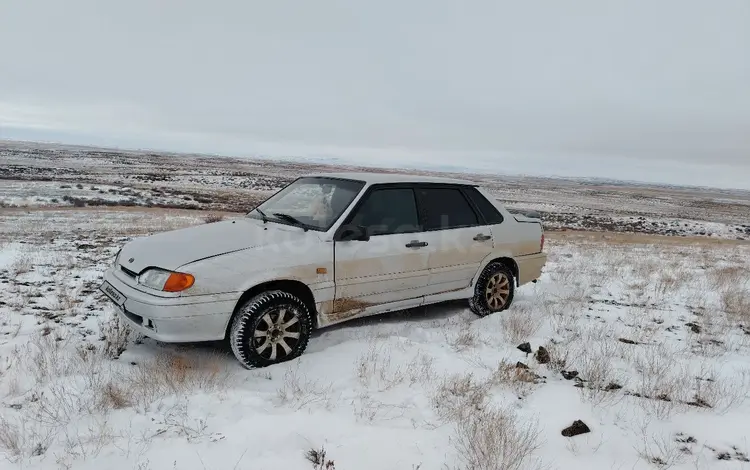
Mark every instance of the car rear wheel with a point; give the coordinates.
(270, 328)
(494, 290)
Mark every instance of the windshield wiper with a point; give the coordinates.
(291, 219)
(262, 215)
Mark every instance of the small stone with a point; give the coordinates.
(525, 347)
(521, 365)
(577, 428)
(612, 387)
(569, 374)
(542, 356)
(627, 341)
(694, 327)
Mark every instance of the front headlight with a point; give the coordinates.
(167, 281)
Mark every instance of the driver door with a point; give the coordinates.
(392, 265)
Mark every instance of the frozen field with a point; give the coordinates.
(53, 176)
(642, 317)
(647, 342)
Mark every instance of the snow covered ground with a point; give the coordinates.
(646, 342)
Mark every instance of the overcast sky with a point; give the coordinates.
(655, 90)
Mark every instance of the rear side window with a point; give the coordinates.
(446, 208)
(388, 211)
(490, 213)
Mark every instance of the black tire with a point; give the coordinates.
(498, 278)
(279, 343)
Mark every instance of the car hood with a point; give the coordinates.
(175, 248)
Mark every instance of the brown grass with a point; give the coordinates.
(726, 276)
(299, 391)
(736, 303)
(211, 218)
(495, 439)
(377, 370)
(114, 396)
(616, 238)
(116, 335)
(458, 395)
(520, 322)
(465, 339)
(21, 265)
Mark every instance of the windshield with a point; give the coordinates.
(314, 203)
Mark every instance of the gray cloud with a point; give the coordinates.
(602, 81)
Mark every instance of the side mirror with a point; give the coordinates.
(354, 233)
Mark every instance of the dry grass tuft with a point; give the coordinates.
(169, 374)
(661, 452)
(19, 439)
(212, 218)
(67, 299)
(113, 396)
(495, 439)
(735, 300)
(721, 393)
(466, 339)
(559, 356)
(459, 395)
(520, 323)
(300, 391)
(116, 336)
(726, 276)
(376, 368)
(662, 381)
(594, 358)
(319, 459)
(21, 265)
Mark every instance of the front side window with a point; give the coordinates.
(313, 202)
(388, 211)
(446, 208)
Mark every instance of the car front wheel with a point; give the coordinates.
(494, 290)
(270, 328)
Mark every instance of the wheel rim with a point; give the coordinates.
(498, 291)
(277, 333)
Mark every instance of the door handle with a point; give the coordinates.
(415, 244)
(482, 237)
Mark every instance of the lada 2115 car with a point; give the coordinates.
(323, 250)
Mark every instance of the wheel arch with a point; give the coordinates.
(504, 259)
(297, 288)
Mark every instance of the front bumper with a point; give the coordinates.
(170, 319)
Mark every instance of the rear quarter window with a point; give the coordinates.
(486, 209)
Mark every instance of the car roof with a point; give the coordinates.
(379, 178)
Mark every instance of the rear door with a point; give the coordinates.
(458, 237)
(389, 267)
